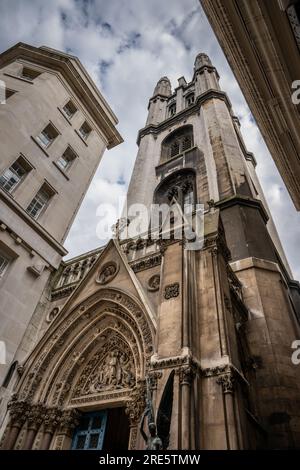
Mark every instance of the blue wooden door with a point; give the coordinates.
(89, 435)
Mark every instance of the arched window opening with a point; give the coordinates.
(179, 188)
(172, 109)
(177, 142)
(9, 374)
(190, 99)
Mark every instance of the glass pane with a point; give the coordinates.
(62, 163)
(80, 442)
(97, 421)
(94, 438)
(84, 423)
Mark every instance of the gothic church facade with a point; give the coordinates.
(204, 336)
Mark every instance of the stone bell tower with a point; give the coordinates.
(227, 313)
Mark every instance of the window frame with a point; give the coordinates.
(22, 162)
(30, 77)
(50, 193)
(3, 265)
(66, 168)
(67, 115)
(86, 135)
(39, 139)
(87, 433)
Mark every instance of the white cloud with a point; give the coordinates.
(127, 45)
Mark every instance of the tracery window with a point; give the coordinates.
(190, 99)
(177, 142)
(172, 109)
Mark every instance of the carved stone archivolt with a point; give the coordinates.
(108, 272)
(97, 351)
(154, 283)
(136, 405)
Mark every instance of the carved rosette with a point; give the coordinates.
(227, 381)
(153, 283)
(172, 290)
(136, 405)
(108, 272)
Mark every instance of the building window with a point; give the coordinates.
(190, 99)
(69, 109)
(13, 175)
(4, 262)
(89, 435)
(29, 74)
(172, 109)
(40, 201)
(84, 130)
(177, 142)
(65, 161)
(175, 148)
(47, 136)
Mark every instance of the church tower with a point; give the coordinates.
(193, 333)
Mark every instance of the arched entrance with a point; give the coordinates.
(92, 359)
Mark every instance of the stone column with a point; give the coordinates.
(17, 410)
(227, 381)
(186, 377)
(34, 420)
(69, 420)
(51, 422)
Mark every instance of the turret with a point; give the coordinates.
(158, 102)
(206, 76)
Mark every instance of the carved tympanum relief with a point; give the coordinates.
(115, 372)
(112, 368)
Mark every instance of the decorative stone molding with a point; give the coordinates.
(52, 314)
(146, 263)
(175, 362)
(136, 405)
(35, 416)
(217, 370)
(172, 290)
(154, 283)
(227, 381)
(69, 420)
(133, 437)
(52, 419)
(17, 411)
(154, 376)
(186, 375)
(131, 317)
(64, 292)
(108, 272)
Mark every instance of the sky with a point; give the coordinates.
(126, 46)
